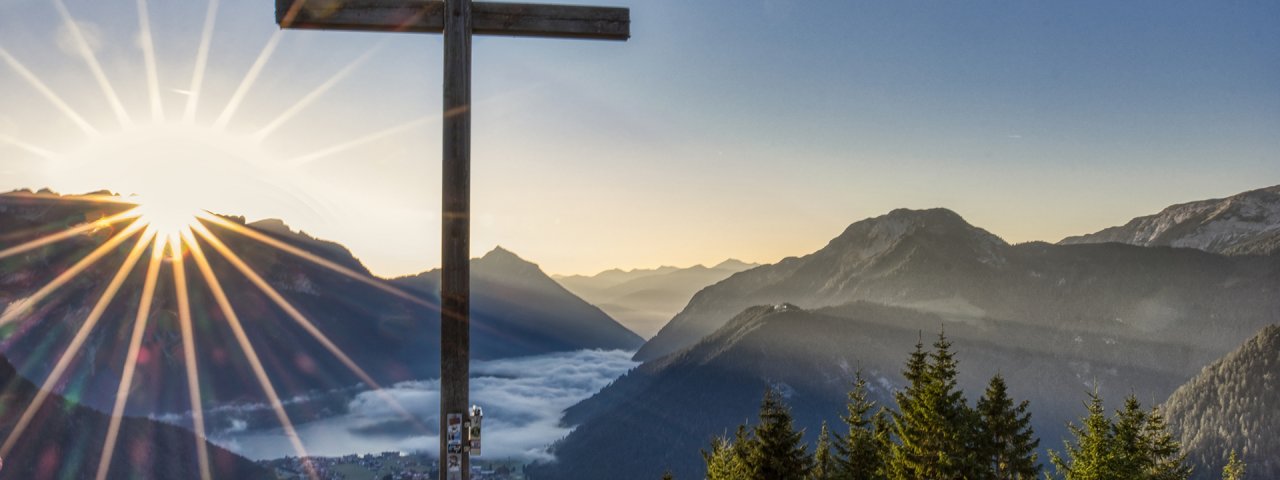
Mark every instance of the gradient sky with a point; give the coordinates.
(747, 129)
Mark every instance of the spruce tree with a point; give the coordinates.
(1132, 457)
(934, 424)
(1145, 447)
(859, 454)
(882, 431)
(1166, 460)
(1234, 469)
(743, 443)
(955, 436)
(726, 460)
(778, 452)
(823, 465)
(1006, 442)
(1093, 456)
(909, 455)
(1137, 445)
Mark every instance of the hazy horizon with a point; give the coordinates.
(755, 132)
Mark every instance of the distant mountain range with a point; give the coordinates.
(516, 310)
(934, 261)
(65, 440)
(644, 299)
(1243, 224)
(526, 312)
(1233, 405)
(1055, 320)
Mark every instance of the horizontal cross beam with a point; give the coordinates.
(487, 18)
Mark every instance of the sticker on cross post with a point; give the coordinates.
(453, 465)
(453, 430)
(473, 432)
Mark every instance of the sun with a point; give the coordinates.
(169, 218)
(175, 171)
(178, 172)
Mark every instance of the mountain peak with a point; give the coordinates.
(877, 234)
(274, 225)
(501, 261)
(733, 264)
(501, 253)
(502, 257)
(1242, 224)
(925, 217)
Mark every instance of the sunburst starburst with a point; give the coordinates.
(205, 167)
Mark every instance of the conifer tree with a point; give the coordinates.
(908, 455)
(882, 430)
(1006, 441)
(955, 435)
(1130, 448)
(1234, 469)
(743, 442)
(823, 463)
(727, 459)
(778, 452)
(1137, 445)
(1145, 447)
(1093, 456)
(1166, 460)
(860, 454)
(934, 424)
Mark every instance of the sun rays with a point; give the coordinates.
(168, 231)
(91, 59)
(176, 248)
(202, 62)
(195, 91)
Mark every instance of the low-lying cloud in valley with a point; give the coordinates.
(523, 400)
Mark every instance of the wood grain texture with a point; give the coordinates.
(487, 18)
(455, 226)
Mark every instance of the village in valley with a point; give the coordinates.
(387, 466)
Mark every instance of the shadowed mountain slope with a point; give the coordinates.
(525, 312)
(661, 414)
(1055, 320)
(517, 311)
(933, 260)
(1230, 406)
(64, 441)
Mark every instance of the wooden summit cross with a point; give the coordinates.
(457, 20)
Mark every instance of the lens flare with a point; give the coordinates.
(171, 175)
(168, 216)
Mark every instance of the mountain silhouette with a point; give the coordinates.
(1243, 224)
(645, 299)
(516, 311)
(935, 261)
(526, 312)
(661, 414)
(1056, 320)
(65, 440)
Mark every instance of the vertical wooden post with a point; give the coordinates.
(455, 277)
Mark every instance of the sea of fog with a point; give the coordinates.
(523, 400)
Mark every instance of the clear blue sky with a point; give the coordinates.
(751, 129)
